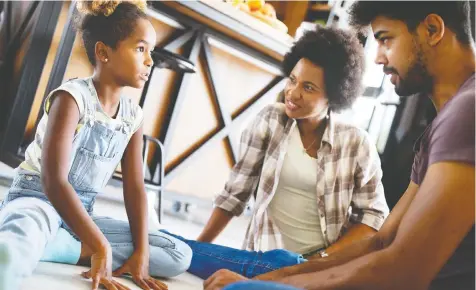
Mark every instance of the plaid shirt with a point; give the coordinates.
(349, 188)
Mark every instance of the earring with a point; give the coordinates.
(105, 60)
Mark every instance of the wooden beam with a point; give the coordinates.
(182, 91)
(225, 114)
(295, 14)
(220, 135)
(179, 41)
(25, 89)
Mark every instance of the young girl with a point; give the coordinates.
(87, 129)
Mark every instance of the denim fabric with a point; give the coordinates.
(168, 256)
(258, 285)
(209, 258)
(26, 225)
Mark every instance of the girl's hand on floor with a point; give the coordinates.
(138, 266)
(222, 278)
(101, 273)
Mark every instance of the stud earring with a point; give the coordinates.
(105, 60)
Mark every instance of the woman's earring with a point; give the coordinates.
(105, 60)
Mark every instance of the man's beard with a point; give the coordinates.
(417, 80)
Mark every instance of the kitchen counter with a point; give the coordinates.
(237, 24)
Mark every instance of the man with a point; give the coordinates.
(428, 239)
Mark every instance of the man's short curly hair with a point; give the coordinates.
(340, 54)
(455, 14)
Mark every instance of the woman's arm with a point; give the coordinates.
(369, 206)
(215, 225)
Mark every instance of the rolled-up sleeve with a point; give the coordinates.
(245, 175)
(369, 205)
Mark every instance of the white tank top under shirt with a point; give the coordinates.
(294, 205)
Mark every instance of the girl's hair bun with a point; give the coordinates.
(105, 7)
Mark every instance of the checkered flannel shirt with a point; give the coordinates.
(349, 187)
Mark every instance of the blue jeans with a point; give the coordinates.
(258, 285)
(26, 225)
(168, 256)
(209, 258)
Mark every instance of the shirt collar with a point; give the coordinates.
(327, 137)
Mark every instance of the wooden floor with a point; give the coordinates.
(50, 276)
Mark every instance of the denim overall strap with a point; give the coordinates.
(128, 115)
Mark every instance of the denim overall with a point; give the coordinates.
(97, 150)
(28, 221)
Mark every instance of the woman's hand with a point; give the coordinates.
(101, 273)
(138, 266)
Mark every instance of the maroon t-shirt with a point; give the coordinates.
(451, 137)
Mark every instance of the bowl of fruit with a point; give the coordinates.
(260, 10)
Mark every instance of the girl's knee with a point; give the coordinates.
(178, 262)
(184, 254)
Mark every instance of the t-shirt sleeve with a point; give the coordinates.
(416, 165)
(453, 135)
(74, 89)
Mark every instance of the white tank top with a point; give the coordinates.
(294, 205)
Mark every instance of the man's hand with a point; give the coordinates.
(100, 273)
(222, 278)
(138, 266)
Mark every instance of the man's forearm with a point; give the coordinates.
(357, 249)
(354, 234)
(375, 271)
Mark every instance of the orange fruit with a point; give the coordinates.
(268, 10)
(255, 5)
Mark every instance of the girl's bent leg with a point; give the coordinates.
(209, 258)
(26, 225)
(63, 248)
(169, 256)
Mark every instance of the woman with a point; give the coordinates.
(317, 181)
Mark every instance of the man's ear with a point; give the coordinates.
(101, 51)
(434, 29)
